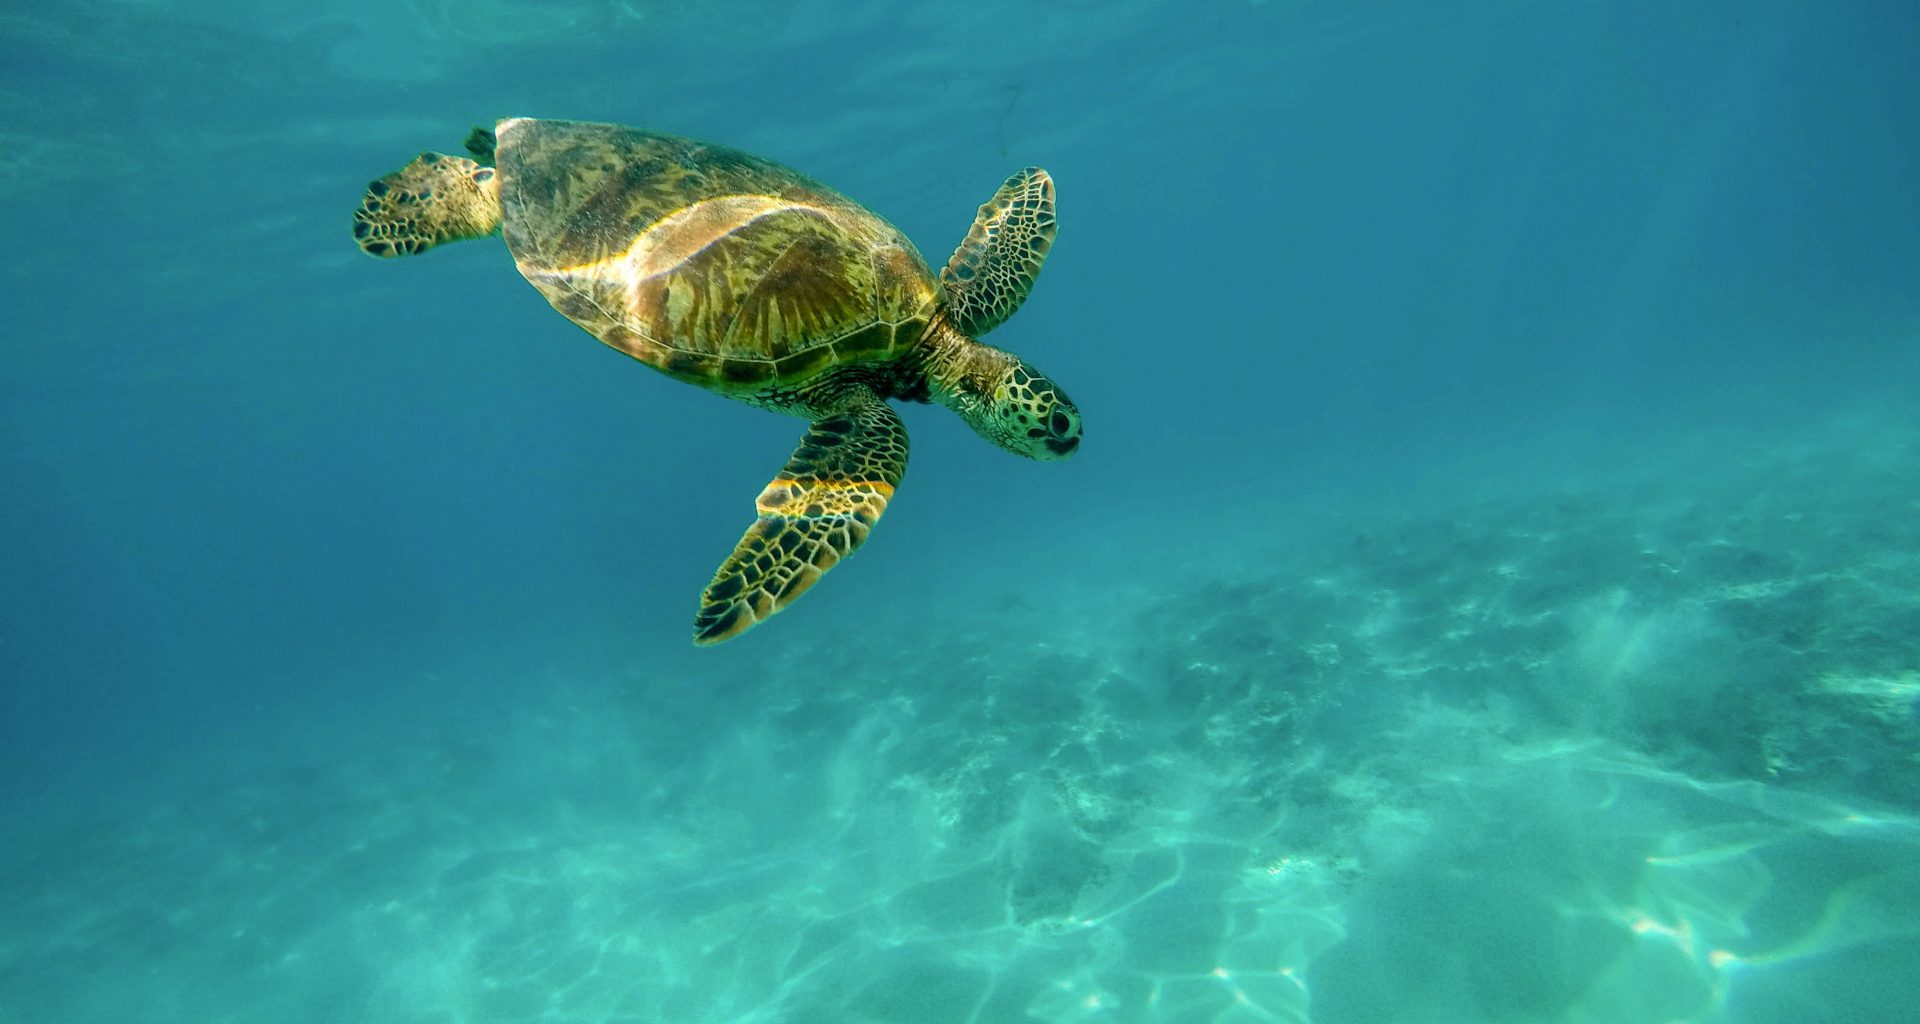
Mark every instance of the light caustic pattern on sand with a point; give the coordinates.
(1620, 755)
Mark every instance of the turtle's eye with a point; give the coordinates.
(1063, 428)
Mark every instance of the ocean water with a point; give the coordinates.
(1489, 589)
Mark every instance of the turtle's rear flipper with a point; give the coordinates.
(432, 200)
(990, 274)
(814, 513)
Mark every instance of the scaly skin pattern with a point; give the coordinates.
(433, 200)
(994, 268)
(815, 512)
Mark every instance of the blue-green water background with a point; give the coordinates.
(1499, 486)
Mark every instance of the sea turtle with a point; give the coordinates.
(752, 280)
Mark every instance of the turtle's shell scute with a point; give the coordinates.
(710, 264)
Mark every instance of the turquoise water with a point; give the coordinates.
(1489, 590)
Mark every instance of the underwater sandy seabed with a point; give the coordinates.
(1637, 749)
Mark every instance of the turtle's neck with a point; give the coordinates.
(961, 373)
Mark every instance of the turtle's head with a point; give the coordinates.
(1032, 416)
(1007, 402)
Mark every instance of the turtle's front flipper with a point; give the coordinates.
(992, 271)
(814, 513)
(482, 143)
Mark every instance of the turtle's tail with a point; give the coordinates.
(432, 200)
